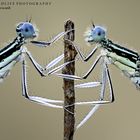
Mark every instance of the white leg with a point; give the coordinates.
(42, 70)
(54, 62)
(37, 66)
(88, 85)
(92, 111)
(39, 100)
(101, 101)
(81, 55)
(59, 68)
(105, 77)
(74, 77)
(56, 38)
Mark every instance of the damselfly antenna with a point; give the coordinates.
(92, 23)
(30, 19)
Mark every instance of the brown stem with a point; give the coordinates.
(69, 93)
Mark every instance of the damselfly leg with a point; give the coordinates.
(15, 52)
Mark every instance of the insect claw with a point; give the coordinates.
(30, 19)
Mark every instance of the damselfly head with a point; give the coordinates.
(95, 34)
(26, 29)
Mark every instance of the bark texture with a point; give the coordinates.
(69, 93)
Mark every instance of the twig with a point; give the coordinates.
(69, 93)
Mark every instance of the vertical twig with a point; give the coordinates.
(69, 93)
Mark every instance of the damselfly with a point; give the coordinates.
(128, 61)
(16, 52)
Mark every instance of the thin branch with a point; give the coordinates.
(69, 93)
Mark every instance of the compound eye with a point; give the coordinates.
(99, 33)
(26, 30)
